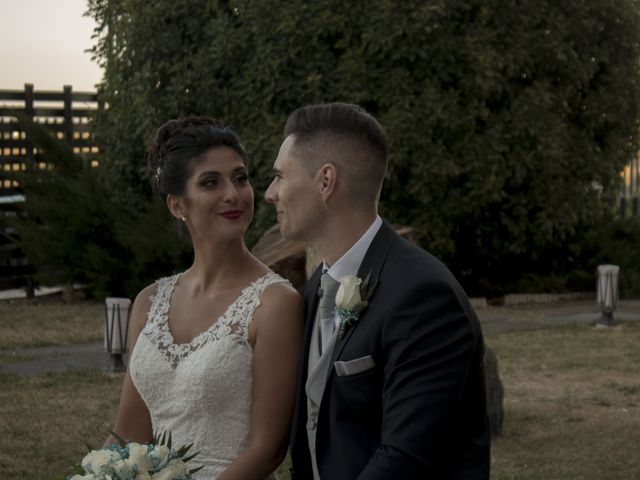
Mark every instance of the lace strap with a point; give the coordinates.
(160, 301)
(256, 290)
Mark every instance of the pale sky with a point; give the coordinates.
(43, 42)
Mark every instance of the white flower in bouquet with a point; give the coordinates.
(159, 457)
(123, 470)
(88, 476)
(98, 461)
(138, 457)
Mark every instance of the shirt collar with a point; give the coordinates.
(350, 262)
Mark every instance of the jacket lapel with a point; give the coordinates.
(311, 300)
(373, 262)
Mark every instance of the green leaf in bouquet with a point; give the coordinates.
(182, 451)
(195, 470)
(121, 441)
(190, 457)
(166, 439)
(75, 470)
(160, 438)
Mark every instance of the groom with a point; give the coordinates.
(396, 391)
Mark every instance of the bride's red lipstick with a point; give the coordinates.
(232, 214)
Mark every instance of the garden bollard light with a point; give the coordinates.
(116, 331)
(607, 291)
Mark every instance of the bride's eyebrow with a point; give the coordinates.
(207, 173)
(242, 169)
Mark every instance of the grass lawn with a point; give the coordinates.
(572, 400)
(45, 421)
(49, 321)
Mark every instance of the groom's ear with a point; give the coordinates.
(327, 180)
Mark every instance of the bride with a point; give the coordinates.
(214, 349)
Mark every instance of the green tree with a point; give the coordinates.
(73, 232)
(510, 120)
(66, 215)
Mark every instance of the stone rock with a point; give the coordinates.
(495, 392)
(285, 257)
(293, 259)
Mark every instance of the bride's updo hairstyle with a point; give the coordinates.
(180, 144)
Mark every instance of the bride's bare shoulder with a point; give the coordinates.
(280, 300)
(145, 296)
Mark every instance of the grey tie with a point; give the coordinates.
(328, 290)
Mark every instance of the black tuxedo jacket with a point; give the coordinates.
(420, 412)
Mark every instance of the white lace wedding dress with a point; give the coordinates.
(200, 391)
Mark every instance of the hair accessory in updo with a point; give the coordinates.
(157, 177)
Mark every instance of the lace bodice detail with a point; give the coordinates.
(200, 391)
(233, 323)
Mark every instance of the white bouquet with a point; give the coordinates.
(134, 461)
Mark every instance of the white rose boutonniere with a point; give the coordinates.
(348, 296)
(351, 299)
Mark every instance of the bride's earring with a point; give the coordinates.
(183, 219)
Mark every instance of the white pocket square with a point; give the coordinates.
(351, 367)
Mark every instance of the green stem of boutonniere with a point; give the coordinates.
(347, 318)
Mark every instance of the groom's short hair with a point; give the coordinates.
(347, 136)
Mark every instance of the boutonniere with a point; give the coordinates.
(351, 300)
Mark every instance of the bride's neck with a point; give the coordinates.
(215, 265)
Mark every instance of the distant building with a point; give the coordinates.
(630, 195)
(67, 114)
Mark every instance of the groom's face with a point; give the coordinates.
(295, 195)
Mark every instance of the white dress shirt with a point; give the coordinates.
(349, 263)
